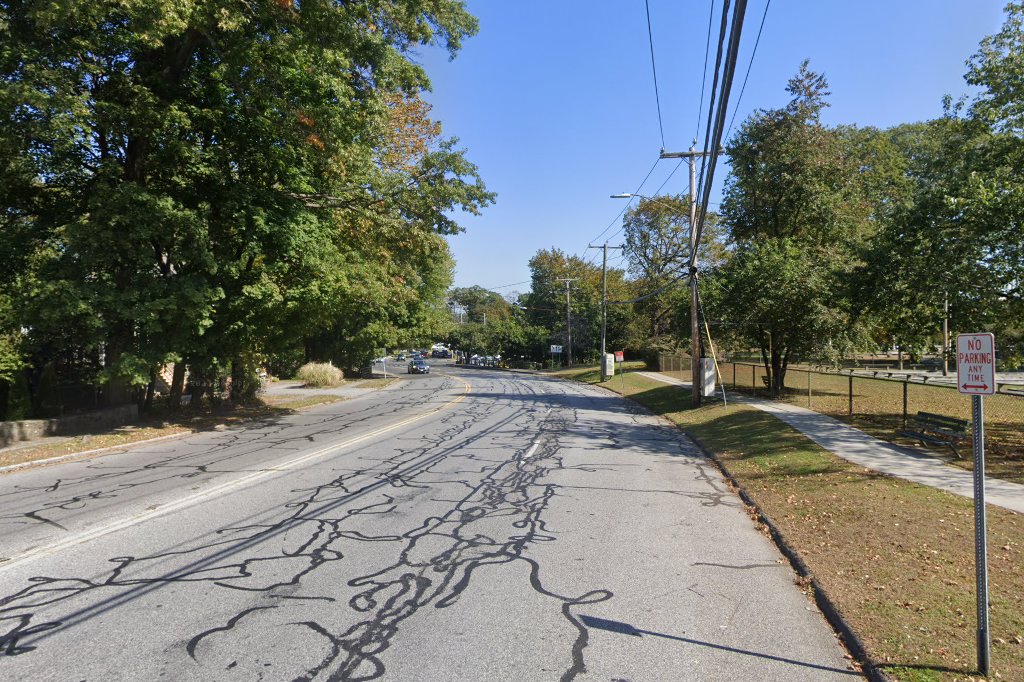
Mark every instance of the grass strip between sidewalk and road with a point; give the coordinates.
(187, 421)
(895, 558)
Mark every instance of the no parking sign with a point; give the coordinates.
(976, 364)
(976, 376)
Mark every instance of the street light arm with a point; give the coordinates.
(643, 196)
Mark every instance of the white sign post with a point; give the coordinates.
(976, 376)
(555, 349)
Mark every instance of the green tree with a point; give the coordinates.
(546, 303)
(778, 296)
(657, 248)
(960, 236)
(480, 303)
(798, 211)
(216, 181)
(923, 255)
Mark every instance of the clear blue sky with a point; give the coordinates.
(554, 100)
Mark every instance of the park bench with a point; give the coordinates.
(938, 429)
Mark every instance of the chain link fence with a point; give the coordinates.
(677, 366)
(885, 404)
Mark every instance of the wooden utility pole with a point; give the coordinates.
(695, 368)
(604, 301)
(568, 318)
(945, 335)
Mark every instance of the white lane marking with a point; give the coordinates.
(190, 500)
(536, 443)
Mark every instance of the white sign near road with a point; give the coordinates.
(556, 349)
(976, 364)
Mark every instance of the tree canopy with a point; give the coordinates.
(214, 181)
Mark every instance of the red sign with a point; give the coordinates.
(619, 355)
(976, 364)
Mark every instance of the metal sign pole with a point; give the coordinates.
(980, 532)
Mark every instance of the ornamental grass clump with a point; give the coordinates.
(320, 375)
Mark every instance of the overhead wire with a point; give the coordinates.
(664, 182)
(717, 109)
(707, 179)
(711, 99)
(730, 71)
(654, 71)
(707, 135)
(750, 64)
(505, 286)
(621, 213)
(704, 73)
(592, 258)
(648, 295)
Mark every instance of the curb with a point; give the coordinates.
(72, 455)
(825, 605)
(828, 609)
(97, 451)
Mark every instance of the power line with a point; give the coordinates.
(711, 99)
(713, 134)
(505, 286)
(704, 73)
(623, 211)
(665, 182)
(655, 193)
(730, 71)
(654, 71)
(749, 65)
(652, 293)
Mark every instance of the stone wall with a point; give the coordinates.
(99, 420)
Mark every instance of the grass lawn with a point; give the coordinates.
(878, 410)
(896, 558)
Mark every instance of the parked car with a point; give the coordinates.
(417, 366)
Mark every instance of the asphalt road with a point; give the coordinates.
(469, 524)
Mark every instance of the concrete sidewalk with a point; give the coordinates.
(867, 451)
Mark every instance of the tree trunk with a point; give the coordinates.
(775, 365)
(177, 385)
(198, 385)
(5, 391)
(118, 391)
(147, 404)
(243, 386)
(780, 373)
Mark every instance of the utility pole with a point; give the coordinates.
(695, 368)
(604, 301)
(568, 318)
(945, 335)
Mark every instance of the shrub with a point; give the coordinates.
(320, 375)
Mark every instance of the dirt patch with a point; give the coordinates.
(183, 423)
